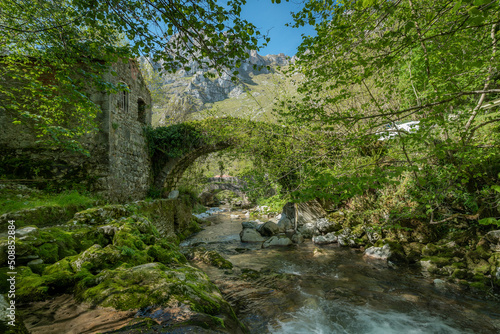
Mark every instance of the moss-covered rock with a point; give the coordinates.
(100, 215)
(158, 286)
(413, 251)
(438, 261)
(96, 258)
(30, 287)
(166, 253)
(209, 257)
(39, 216)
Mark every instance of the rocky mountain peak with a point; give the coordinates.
(196, 86)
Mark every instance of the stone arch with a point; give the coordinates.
(234, 187)
(167, 172)
(171, 172)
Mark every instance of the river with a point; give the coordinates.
(311, 289)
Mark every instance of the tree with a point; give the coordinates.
(373, 63)
(54, 50)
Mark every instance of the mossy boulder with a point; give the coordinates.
(482, 267)
(154, 285)
(30, 287)
(96, 258)
(462, 274)
(413, 251)
(208, 257)
(100, 215)
(40, 216)
(166, 253)
(438, 261)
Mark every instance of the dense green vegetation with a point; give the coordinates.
(55, 50)
(432, 63)
(16, 199)
(372, 65)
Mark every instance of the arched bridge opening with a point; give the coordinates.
(174, 148)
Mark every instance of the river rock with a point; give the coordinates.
(329, 238)
(346, 238)
(373, 236)
(308, 212)
(27, 233)
(297, 238)
(108, 230)
(250, 235)
(277, 240)
(284, 223)
(268, 229)
(308, 230)
(380, 253)
(173, 194)
(493, 237)
(250, 224)
(326, 226)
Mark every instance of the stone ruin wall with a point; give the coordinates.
(129, 175)
(118, 167)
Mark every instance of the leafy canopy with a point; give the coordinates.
(56, 51)
(375, 63)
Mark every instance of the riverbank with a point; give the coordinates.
(307, 288)
(153, 266)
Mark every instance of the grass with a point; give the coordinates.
(25, 198)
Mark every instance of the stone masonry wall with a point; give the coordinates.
(118, 166)
(129, 162)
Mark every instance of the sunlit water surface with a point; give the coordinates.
(341, 291)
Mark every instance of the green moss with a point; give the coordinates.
(483, 252)
(84, 280)
(461, 274)
(30, 287)
(458, 265)
(193, 227)
(477, 285)
(438, 261)
(129, 236)
(72, 200)
(48, 252)
(482, 267)
(218, 321)
(59, 277)
(166, 255)
(131, 288)
(25, 248)
(429, 250)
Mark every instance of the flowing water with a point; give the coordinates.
(312, 289)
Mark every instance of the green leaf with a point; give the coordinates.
(368, 3)
(489, 221)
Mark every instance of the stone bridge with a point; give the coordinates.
(174, 168)
(236, 188)
(179, 145)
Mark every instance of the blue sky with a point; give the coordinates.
(267, 16)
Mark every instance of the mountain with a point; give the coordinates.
(186, 93)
